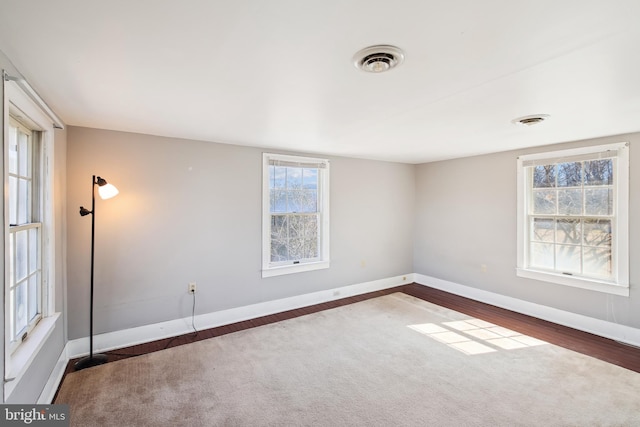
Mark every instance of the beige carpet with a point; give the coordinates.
(389, 361)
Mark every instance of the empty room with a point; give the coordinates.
(336, 213)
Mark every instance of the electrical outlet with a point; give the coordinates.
(192, 288)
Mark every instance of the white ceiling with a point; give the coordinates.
(279, 74)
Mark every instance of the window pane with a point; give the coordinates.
(296, 249)
(13, 200)
(597, 262)
(12, 306)
(294, 178)
(543, 230)
(34, 289)
(279, 238)
(544, 176)
(544, 202)
(13, 150)
(12, 260)
(541, 255)
(279, 227)
(311, 248)
(570, 174)
(23, 157)
(296, 226)
(33, 249)
(21, 255)
(597, 232)
(310, 179)
(569, 231)
(598, 172)
(598, 201)
(23, 202)
(568, 258)
(279, 250)
(278, 201)
(309, 202)
(311, 227)
(570, 202)
(294, 201)
(272, 174)
(21, 307)
(279, 177)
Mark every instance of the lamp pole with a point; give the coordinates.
(92, 359)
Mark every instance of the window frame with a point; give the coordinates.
(270, 269)
(19, 102)
(33, 222)
(619, 285)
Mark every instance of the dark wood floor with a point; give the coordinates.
(582, 342)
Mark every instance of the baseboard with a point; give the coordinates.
(603, 328)
(143, 334)
(50, 388)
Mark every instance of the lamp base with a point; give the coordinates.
(89, 361)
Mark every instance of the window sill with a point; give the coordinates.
(25, 354)
(295, 268)
(576, 282)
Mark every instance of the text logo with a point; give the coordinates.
(35, 415)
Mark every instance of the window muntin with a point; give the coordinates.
(295, 214)
(25, 232)
(573, 217)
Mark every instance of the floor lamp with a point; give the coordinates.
(106, 191)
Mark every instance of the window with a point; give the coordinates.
(573, 217)
(295, 209)
(25, 232)
(29, 238)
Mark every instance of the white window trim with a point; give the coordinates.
(621, 244)
(267, 269)
(17, 363)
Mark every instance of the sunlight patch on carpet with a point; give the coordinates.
(476, 336)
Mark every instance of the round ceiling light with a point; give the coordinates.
(531, 120)
(378, 59)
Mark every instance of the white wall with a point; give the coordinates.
(466, 218)
(191, 211)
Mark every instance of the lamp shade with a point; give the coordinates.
(107, 191)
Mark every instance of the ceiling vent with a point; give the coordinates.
(530, 120)
(378, 59)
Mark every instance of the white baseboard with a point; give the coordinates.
(50, 388)
(142, 334)
(614, 331)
